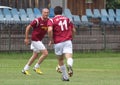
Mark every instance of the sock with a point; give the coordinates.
(26, 67)
(37, 65)
(70, 61)
(64, 71)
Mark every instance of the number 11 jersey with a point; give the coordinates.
(62, 28)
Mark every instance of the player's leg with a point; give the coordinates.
(59, 53)
(69, 63)
(40, 60)
(29, 63)
(58, 69)
(67, 50)
(63, 68)
(40, 47)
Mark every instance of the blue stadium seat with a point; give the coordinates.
(111, 20)
(85, 22)
(117, 20)
(68, 14)
(89, 13)
(96, 13)
(104, 20)
(84, 19)
(111, 12)
(2, 19)
(51, 15)
(37, 12)
(117, 12)
(14, 11)
(30, 14)
(104, 12)
(16, 19)
(77, 20)
(22, 12)
(23, 16)
(15, 15)
(8, 16)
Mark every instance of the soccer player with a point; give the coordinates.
(61, 32)
(39, 26)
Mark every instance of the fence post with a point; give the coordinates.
(9, 37)
(0, 34)
(104, 37)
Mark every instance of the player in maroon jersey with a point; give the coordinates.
(61, 32)
(39, 26)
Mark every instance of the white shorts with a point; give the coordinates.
(63, 47)
(37, 46)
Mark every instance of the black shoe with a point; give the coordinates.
(70, 71)
(65, 79)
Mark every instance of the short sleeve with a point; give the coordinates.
(71, 24)
(50, 22)
(33, 23)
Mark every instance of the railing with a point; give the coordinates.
(98, 38)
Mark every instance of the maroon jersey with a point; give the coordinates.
(39, 29)
(62, 28)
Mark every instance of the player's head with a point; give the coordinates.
(58, 10)
(45, 13)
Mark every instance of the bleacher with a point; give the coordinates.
(89, 37)
(23, 16)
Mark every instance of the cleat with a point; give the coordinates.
(63, 79)
(37, 70)
(70, 71)
(26, 72)
(58, 69)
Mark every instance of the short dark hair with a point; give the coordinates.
(58, 10)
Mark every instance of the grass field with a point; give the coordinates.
(89, 69)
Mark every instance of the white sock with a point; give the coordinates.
(26, 67)
(64, 71)
(70, 61)
(37, 65)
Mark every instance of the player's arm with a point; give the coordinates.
(27, 34)
(50, 35)
(73, 29)
(73, 32)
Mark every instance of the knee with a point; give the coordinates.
(45, 53)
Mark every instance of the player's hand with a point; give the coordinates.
(26, 41)
(50, 43)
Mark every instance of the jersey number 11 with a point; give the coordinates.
(63, 25)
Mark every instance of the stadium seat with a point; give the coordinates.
(77, 20)
(8, 16)
(117, 12)
(89, 13)
(104, 20)
(51, 15)
(23, 16)
(68, 14)
(111, 12)
(15, 15)
(37, 12)
(14, 11)
(85, 22)
(111, 20)
(22, 12)
(30, 14)
(2, 19)
(96, 13)
(104, 12)
(118, 20)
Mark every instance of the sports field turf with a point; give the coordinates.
(89, 69)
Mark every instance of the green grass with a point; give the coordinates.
(102, 68)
